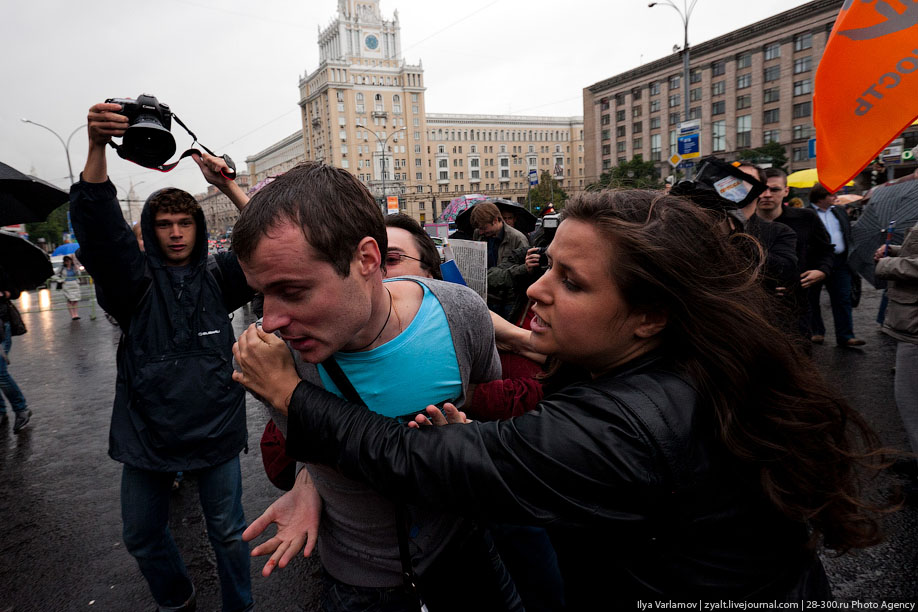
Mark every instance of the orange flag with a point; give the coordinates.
(866, 86)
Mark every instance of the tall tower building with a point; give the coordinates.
(363, 107)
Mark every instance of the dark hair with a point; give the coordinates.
(818, 192)
(333, 208)
(484, 213)
(776, 173)
(768, 404)
(172, 200)
(758, 169)
(430, 257)
(67, 258)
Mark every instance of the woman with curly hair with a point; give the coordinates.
(704, 459)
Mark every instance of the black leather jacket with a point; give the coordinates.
(640, 499)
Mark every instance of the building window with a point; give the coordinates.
(802, 132)
(654, 123)
(605, 120)
(694, 112)
(803, 87)
(636, 111)
(620, 115)
(636, 93)
(655, 150)
(637, 143)
(637, 127)
(674, 101)
(743, 60)
(743, 81)
(772, 95)
(674, 81)
(605, 134)
(620, 146)
(743, 101)
(654, 106)
(674, 118)
(803, 41)
(772, 51)
(718, 88)
(772, 115)
(718, 68)
(619, 99)
(695, 94)
(695, 75)
(620, 131)
(718, 136)
(654, 88)
(744, 131)
(607, 149)
(772, 73)
(803, 64)
(718, 108)
(771, 136)
(804, 109)
(800, 154)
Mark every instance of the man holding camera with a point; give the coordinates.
(176, 407)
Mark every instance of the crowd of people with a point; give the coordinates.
(632, 414)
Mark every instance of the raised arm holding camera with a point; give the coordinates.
(176, 407)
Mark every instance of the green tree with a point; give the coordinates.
(633, 174)
(51, 229)
(773, 153)
(548, 190)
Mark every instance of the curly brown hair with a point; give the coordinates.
(770, 407)
(174, 201)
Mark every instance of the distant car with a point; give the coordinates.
(439, 242)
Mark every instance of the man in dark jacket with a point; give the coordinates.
(176, 407)
(814, 250)
(508, 275)
(838, 284)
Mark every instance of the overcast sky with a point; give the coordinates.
(230, 69)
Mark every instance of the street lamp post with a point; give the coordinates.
(66, 146)
(685, 14)
(385, 143)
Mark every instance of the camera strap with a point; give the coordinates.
(230, 174)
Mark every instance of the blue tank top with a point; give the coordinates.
(419, 365)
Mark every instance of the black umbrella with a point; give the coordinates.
(525, 220)
(899, 203)
(26, 265)
(24, 198)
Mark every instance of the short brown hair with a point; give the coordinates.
(333, 208)
(818, 192)
(172, 200)
(484, 213)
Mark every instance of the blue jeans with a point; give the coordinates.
(7, 384)
(145, 512)
(838, 284)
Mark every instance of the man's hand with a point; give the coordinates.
(811, 277)
(880, 253)
(267, 367)
(453, 416)
(296, 514)
(104, 122)
(532, 260)
(213, 168)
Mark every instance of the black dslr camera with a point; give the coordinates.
(148, 140)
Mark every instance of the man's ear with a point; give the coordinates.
(367, 258)
(651, 323)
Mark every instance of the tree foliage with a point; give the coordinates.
(548, 190)
(632, 174)
(773, 153)
(51, 229)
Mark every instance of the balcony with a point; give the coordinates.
(379, 114)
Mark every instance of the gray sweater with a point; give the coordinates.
(358, 543)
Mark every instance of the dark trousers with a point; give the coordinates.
(838, 284)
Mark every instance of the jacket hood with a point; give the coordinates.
(151, 243)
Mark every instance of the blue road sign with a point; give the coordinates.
(689, 146)
(811, 148)
(685, 163)
(533, 177)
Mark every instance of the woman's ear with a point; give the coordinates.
(651, 323)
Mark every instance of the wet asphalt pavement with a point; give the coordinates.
(60, 524)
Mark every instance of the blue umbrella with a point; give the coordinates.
(66, 249)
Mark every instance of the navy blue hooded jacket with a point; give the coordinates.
(176, 406)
